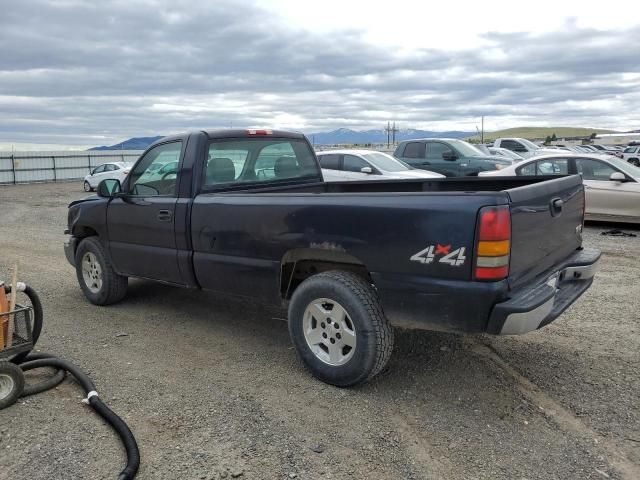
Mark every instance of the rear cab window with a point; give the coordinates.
(259, 161)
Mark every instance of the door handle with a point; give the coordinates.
(556, 207)
(165, 215)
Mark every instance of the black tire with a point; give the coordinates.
(113, 287)
(11, 383)
(373, 334)
(87, 186)
(634, 161)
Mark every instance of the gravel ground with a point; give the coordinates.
(212, 387)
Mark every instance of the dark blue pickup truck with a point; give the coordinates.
(246, 212)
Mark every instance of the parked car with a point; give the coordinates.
(118, 170)
(632, 155)
(503, 152)
(344, 165)
(348, 260)
(523, 147)
(450, 157)
(612, 186)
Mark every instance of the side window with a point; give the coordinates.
(110, 168)
(414, 150)
(149, 180)
(629, 150)
(552, 166)
(99, 169)
(330, 161)
(594, 169)
(254, 160)
(353, 163)
(436, 150)
(528, 169)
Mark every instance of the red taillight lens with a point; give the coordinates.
(495, 223)
(493, 247)
(259, 132)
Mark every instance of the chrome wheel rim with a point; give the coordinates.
(91, 272)
(6, 385)
(87, 186)
(329, 332)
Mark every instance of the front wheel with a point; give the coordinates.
(87, 186)
(96, 276)
(11, 383)
(339, 330)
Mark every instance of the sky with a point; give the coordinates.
(83, 73)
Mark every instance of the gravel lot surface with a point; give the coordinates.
(212, 387)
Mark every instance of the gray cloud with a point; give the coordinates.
(73, 71)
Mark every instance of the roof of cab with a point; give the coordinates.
(246, 133)
(231, 133)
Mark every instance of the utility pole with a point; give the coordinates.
(393, 131)
(482, 134)
(388, 130)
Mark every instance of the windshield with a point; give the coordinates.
(626, 167)
(466, 149)
(529, 143)
(385, 162)
(506, 153)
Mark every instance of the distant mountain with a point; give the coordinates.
(334, 137)
(348, 136)
(137, 143)
(538, 133)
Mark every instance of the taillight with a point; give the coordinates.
(494, 243)
(259, 132)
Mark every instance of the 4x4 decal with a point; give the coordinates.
(454, 258)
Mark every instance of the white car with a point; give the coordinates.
(117, 170)
(346, 165)
(632, 155)
(612, 186)
(523, 147)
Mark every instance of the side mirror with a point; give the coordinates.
(366, 170)
(449, 156)
(618, 177)
(109, 187)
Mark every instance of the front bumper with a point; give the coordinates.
(70, 245)
(537, 306)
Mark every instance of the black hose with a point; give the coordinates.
(40, 360)
(29, 361)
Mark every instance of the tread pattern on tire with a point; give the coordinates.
(116, 284)
(382, 330)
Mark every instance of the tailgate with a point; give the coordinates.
(546, 226)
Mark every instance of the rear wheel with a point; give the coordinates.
(11, 383)
(87, 186)
(338, 327)
(96, 276)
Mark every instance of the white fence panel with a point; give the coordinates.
(26, 167)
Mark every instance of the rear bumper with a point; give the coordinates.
(70, 245)
(426, 303)
(535, 306)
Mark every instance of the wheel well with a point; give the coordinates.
(298, 265)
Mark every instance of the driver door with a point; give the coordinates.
(442, 159)
(141, 221)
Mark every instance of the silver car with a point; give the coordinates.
(345, 165)
(612, 186)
